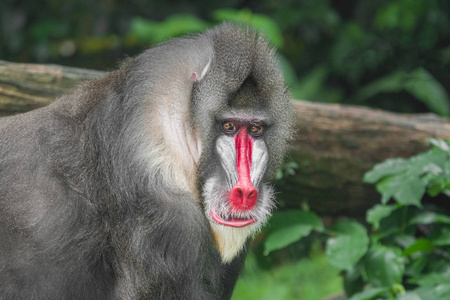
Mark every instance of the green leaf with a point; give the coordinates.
(291, 217)
(424, 293)
(386, 168)
(400, 16)
(406, 180)
(353, 281)
(378, 212)
(430, 292)
(290, 226)
(443, 291)
(433, 286)
(438, 264)
(436, 184)
(348, 246)
(384, 266)
(286, 236)
(428, 162)
(420, 245)
(420, 83)
(431, 279)
(369, 294)
(421, 162)
(439, 179)
(396, 222)
(388, 84)
(441, 237)
(403, 240)
(441, 144)
(405, 189)
(416, 267)
(429, 217)
(428, 90)
(409, 296)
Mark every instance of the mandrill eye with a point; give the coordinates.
(256, 130)
(229, 127)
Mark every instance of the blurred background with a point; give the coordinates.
(388, 54)
(356, 51)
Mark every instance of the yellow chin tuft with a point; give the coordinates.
(231, 240)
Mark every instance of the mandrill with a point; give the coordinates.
(147, 183)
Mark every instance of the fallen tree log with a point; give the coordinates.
(334, 146)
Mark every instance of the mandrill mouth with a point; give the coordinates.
(231, 221)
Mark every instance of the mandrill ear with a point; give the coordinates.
(195, 77)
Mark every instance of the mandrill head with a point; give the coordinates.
(243, 107)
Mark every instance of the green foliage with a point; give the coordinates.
(379, 212)
(405, 255)
(387, 54)
(409, 241)
(369, 294)
(419, 83)
(49, 28)
(310, 279)
(347, 244)
(403, 15)
(406, 180)
(384, 266)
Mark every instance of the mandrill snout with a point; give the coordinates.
(243, 197)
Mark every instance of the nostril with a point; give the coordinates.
(251, 198)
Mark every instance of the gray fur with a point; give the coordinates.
(97, 201)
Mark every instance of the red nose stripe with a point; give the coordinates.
(243, 195)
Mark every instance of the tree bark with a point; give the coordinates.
(334, 145)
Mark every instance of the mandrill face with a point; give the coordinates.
(243, 126)
(238, 201)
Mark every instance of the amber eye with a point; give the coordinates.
(256, 130)
(229, 127)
